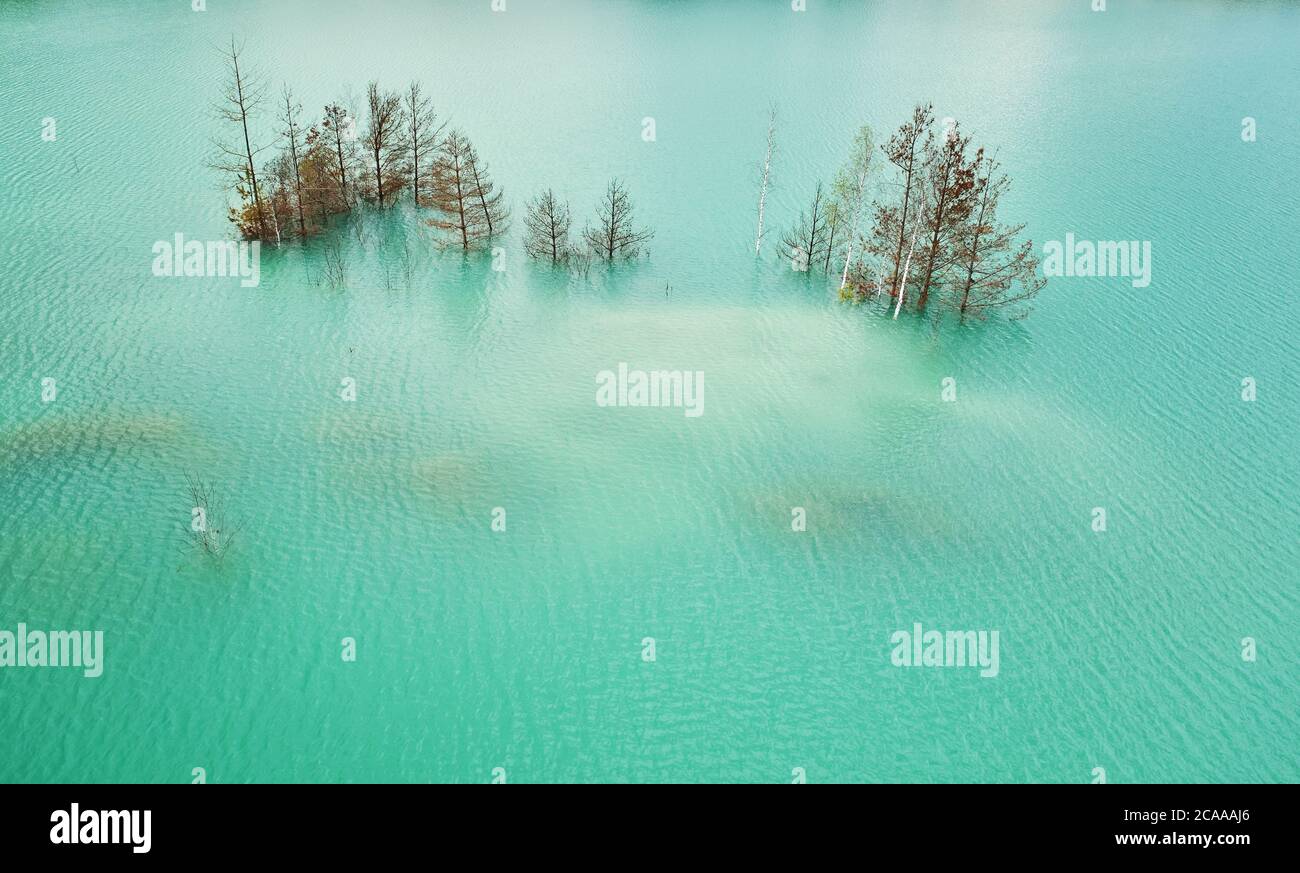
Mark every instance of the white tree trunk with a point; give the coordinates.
(858, 197)
(767, 169)
(848, 259)
(276, 219)
(907, 265)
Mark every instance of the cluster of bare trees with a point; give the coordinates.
(935, 235)
(327, 167)
(615, 235)
(317, 169)
(460, 189)
(825, 237)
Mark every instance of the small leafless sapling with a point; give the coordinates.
(336, 272)
(210, 531)
(616, 236)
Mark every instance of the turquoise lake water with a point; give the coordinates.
(522, 649)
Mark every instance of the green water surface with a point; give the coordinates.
(523, 649)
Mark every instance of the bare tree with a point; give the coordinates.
(949, 182)
(907, 266)
(616, 236)
(210, 531)
(385, 139)
(318, 167)
(489, 200)
(851, 191)
(835, 220)
(806, 243)
(241, 97)
(277, 200)
(994, 271)
(336, 266)
(340, 132)
(579, 261)
(546, 224)
(452, 193)
(906, 150)
(292, 133)
(422, 131)
(767, 171)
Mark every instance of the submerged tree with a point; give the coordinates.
(210, 531)
(422, 131)
(896, 219)
(335, 270)
(616, 235)
(993, 270)
(850, 191)
(766, 175)
(385, 140)
(490, 201)
(949, 181)
(940, 236)
(452, 193)
(807, 242)
(293, 136)
(546, 228)
(277, 195)
(836, 219)
(339, 133)
(241, 97)
(322, 194)
(579, 261)
(917, 227)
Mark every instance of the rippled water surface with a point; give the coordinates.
(523, 649)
